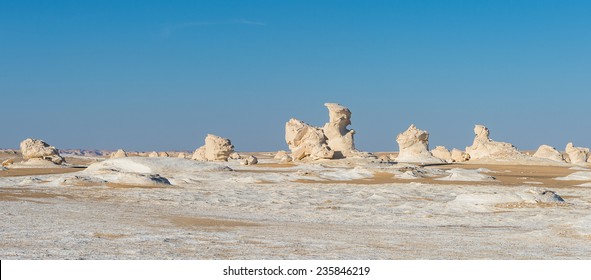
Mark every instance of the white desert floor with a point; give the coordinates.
(343, 209)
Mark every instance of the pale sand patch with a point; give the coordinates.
(37, 171)
(275, 165)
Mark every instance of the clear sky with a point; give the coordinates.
(160, 75)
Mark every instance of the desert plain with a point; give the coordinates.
(321, 200)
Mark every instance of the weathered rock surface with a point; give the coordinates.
(485, 148)
(235, 155)
(332, 141)
(414, 146)
(459, 156)
(34, 149)
(153, 154)
(181, 155)
(250, 160)
(306, 141)
(163, 154)
(119, 154)
(442, 153)
(215, 149)
(548, 152)
(577, 155)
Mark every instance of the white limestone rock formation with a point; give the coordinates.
(442, 153)
(34, 150)
(163, 154)
(459, 156)
(119, 154)
(280, 155)
(306, 141)
(235, 155)
(215, 149)
(181, 155)
(331, 141)
(577, 155)
(548, 152)
(250, 160)
(485, 148)
(414, 146)
(153, 154)
(339, 138)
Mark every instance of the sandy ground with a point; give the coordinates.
(328, 210)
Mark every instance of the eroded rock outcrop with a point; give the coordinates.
(485, 148)
(548, 152)
(119, 154)
(250, 160)
(442, 153)
(577, 155)
(333, 140)
(153, 154)
(414, 146)
(215, 149)
(306, 141)
(459, 155)
(37, 150)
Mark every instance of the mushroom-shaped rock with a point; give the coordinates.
(339, 138)
(306, 141)
(442, 153)
(39, 150)
(414, 146)
(215, 149)
(577, 155)
(119, 154)
(548, 152)
(250, 160)
(485, 148)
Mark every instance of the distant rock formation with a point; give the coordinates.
(332, 141)
(442, 153)
(414, 146)
(548, 152)
(235, 155)
(181, 155)
(119, 154)
(485, 148)
(215, 149)
(35, 150)
(250, 160)
(306, 141)
(153, 154)
(459, 156)
(577, 155)
(163, 154)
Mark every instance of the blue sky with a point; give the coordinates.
(160, 75)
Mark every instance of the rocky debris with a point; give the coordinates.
(250, 160)
(414, 146)
(577, 155)
(33, 149)
(442, 153)
(153, 154)
(235, 155)
(119, 154)
(9, 162)
(306, 141)
(548, 152)
(215, 149)
(485, 148)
